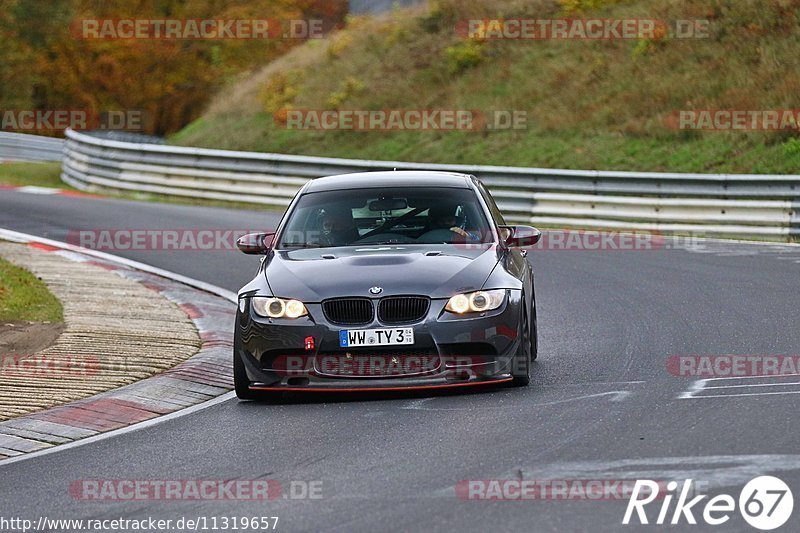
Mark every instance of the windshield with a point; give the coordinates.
(386, 216)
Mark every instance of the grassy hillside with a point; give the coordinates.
(592, 104)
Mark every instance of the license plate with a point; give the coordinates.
(349, 338)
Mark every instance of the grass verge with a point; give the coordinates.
(23, 296)
(38, 174)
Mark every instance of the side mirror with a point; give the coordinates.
(521, 236)
(255, 243)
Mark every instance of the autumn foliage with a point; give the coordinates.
(45, 64)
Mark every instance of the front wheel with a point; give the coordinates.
(534, 337)
(521, 364)
(241, 383)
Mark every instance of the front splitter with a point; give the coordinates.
(378, 388)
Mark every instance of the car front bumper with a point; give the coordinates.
(449, 351)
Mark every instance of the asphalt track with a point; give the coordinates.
(602, 404)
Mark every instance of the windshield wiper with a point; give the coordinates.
(302, 245)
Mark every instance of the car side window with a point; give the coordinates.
(496, 214)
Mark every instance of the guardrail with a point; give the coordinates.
(24, 147)
(761, 206)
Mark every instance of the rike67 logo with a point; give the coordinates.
(765, 503)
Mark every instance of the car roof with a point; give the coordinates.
(398, 178)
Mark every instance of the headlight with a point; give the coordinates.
(476, 302)
(278, 307)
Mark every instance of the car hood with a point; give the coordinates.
(438, 271)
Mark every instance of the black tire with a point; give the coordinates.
(521, 364)
(534, 337)
(241, 383)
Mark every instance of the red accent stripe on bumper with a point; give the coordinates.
(379, 389)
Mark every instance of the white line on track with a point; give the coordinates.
(753, 385)
(419, 405)
(703, 388)
(618, 396)
(32, 189)
(709, 396)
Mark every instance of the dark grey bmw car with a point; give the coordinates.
(387, 281)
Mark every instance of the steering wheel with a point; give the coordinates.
(441, 235)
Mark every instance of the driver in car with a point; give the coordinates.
(338, 227)
(444, 217)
